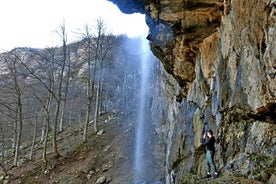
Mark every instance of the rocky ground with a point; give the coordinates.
(106, 158)
(103, 159)
(192, 179)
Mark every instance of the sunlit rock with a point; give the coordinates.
(101, 180)
(223, 58)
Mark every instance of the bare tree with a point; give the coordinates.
(34, 138)
(59, 95)
(44, 79)
(47, 120)
(42, 71)
(16, 79)
(50, 58)
(19, 119)
(2, 142)
(88, 77)
(7, 131)
(66, 53)
(97, 48)
(104, 43)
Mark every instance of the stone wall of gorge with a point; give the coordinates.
(222, 55)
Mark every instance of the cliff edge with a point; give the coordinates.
(222, 55)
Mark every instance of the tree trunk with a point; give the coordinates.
(96, 108)
(46, 125)
(19, 132)
(55, 148)
(66, 88)
(2, 145)
(44, 154)
(59, 92)
(90, 84)
(101, 110)
(62, 118)
(43, 130)
(87, 119)
(14, 139)
(33, 141)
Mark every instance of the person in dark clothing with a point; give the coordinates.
(209, 141)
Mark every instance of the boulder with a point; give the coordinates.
(101, 180)
(272, 179)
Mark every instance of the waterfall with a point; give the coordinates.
(145, 162)
(140, 138)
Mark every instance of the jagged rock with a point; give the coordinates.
(100, 132)
(272, 179)
(1, 178)
(46, 171)
(92, 172)
(22, 161)
(223, 56)
(101, 180)
(89, 176)
(106, 167)
(107, 148)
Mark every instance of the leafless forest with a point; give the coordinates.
(44, 91)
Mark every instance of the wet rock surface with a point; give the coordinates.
(221, 55)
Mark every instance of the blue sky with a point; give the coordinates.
(33, 23)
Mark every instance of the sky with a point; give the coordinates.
(33, 23)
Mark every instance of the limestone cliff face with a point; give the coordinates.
(222, 55)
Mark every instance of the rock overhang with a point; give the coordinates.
(176, 30)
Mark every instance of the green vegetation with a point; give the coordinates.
(264, 166)
(189, 178)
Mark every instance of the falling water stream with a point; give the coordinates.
(144, 159)
(140, 138)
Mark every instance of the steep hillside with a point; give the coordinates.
(105, 156)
